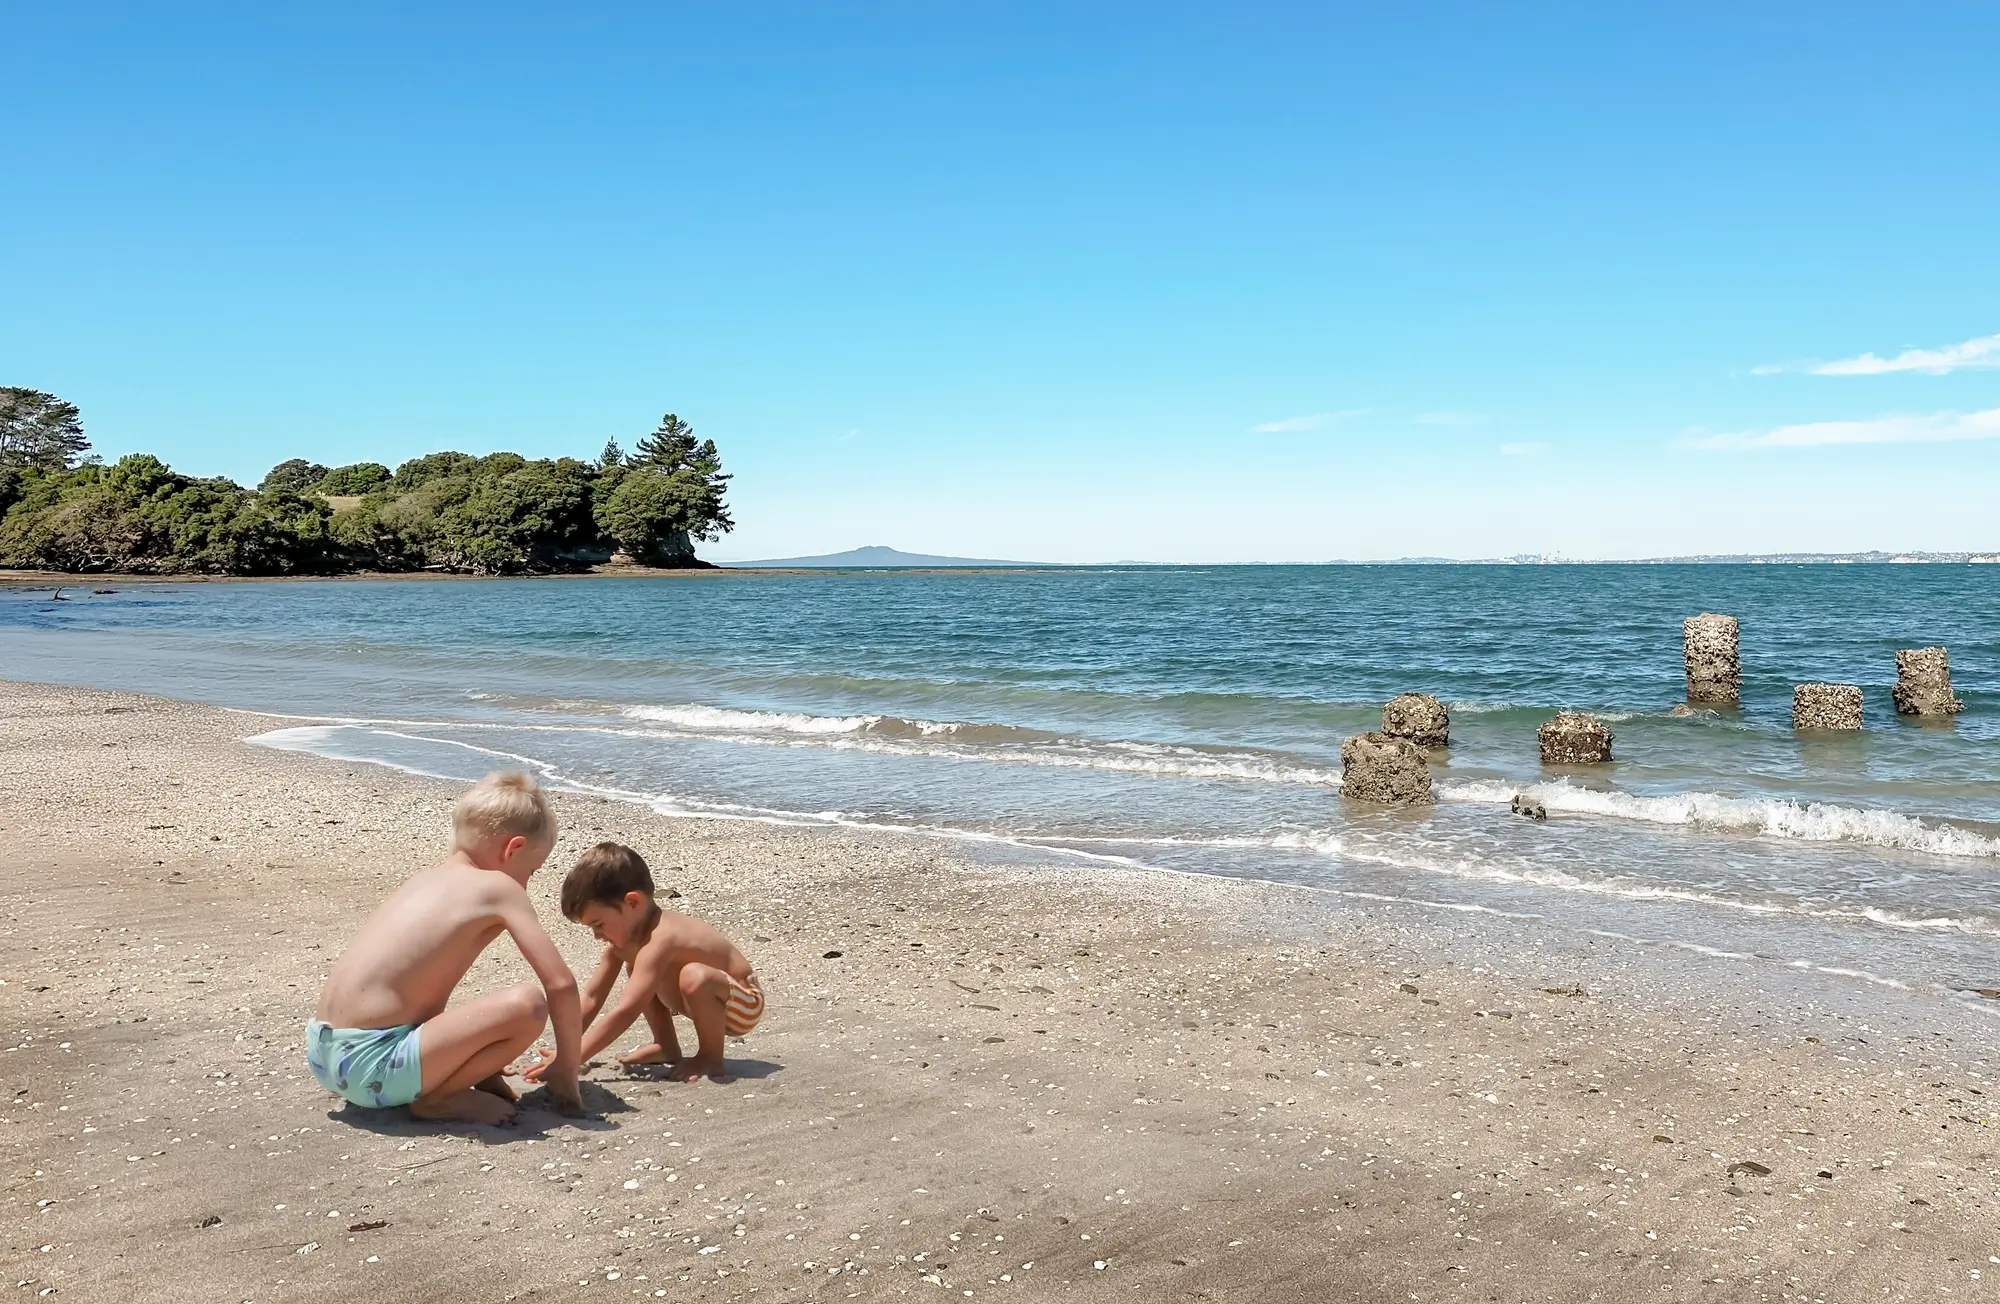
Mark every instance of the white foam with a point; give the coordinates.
(724, 718)
(1768, 816)
(1481, 708)
(1183, 763)
(1717, 953)
(299, 739)
(1626, 889)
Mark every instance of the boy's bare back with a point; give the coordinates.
(680, 940)
(411, 953)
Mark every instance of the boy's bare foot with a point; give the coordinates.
(689, 1070)
(468, 1106)
(651, 1053)
(497, 1085)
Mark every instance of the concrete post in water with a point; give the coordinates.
(1418, 717)
(1826, 706)
(1386, 771)
(1710, 649)
(1573, 738)
(1923, 683)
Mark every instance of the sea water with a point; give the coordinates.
(1184, 719)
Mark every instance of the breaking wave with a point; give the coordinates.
(722, 718)
(974, 741)
(1768, 816)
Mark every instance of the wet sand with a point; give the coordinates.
(1028, 1079)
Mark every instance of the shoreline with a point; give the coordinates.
(30, 580)
(1239, 1068)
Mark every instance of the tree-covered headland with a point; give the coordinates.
(502, 514)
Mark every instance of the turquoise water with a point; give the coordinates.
(1186, 719)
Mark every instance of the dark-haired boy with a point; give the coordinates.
(676, 965)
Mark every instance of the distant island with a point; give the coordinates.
(61, 509)
(879, 557)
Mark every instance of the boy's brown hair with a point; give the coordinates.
(604, 874)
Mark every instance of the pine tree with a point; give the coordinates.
(39, 431)
(668, 495)
(673, 448)
(670, 447)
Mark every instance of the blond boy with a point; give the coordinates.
(382, 1036)
(677, 965)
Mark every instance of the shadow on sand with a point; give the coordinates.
(537, 1118)
(738, 1070)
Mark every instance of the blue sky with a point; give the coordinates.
(1081, 282)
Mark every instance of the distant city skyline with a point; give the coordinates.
(879, 556)
(1288, 284)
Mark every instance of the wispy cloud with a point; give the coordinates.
(1450, 418)
(1898, 428)
(1530, 448)
(1983, 351)
(1311, 421)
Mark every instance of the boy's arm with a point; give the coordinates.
(599, 986)
(517, 913)
(640, 990)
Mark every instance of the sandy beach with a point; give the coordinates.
(977, 1078)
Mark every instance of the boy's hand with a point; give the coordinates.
(559, 1081)
(534, 1072)
(563, 1090)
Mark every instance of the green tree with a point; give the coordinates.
(140, 515)
(689, 502)
(39, 431)
(80, 534)
(354, 480)
(497, 514)
(655, 515)
(417, 471)
(611, 456)
(266, 534)
(294, 474)
(366, 539)
(670, 446)
(535, 517)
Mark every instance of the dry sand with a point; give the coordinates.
(1014, 1080)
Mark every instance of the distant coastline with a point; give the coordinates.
(1706, 559)
(924, 564)
(877, 557)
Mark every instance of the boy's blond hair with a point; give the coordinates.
(506, 803)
